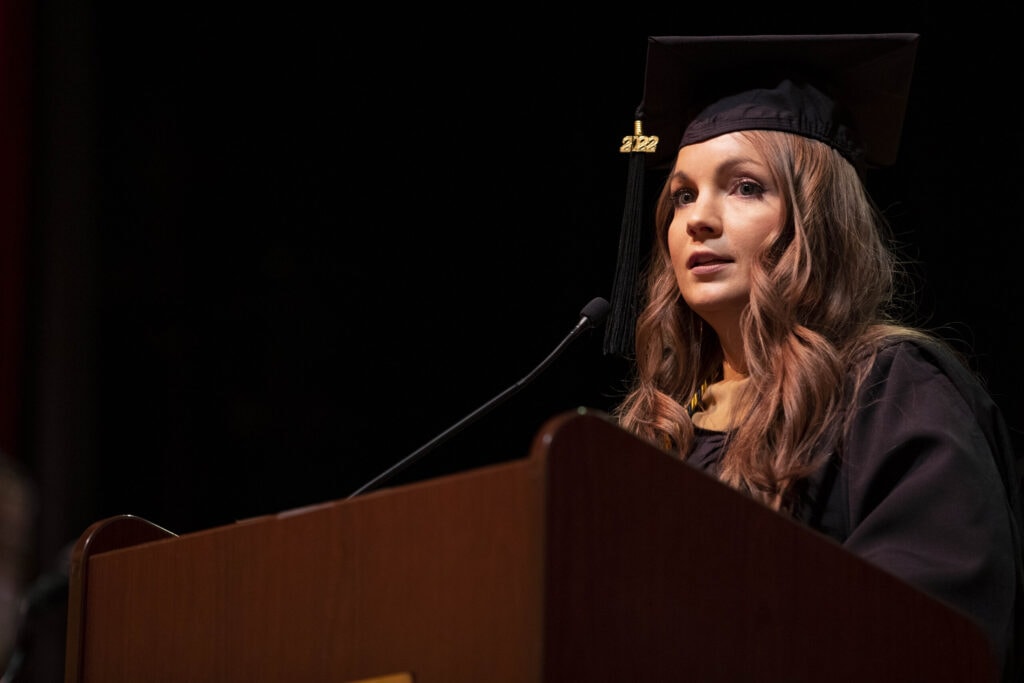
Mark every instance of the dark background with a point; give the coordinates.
(273, 251)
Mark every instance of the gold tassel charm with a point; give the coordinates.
(638, 142)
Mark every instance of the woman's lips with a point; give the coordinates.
(709, 268)
(706, 263)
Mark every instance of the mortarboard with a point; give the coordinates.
(847, 90)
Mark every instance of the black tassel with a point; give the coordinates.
(620, 328)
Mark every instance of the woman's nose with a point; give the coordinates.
(702, 217)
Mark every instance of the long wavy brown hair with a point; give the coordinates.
(823, 297)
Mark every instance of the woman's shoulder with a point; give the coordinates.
(923, 370)
(919, 357)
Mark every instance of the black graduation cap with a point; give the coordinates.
(847, 90)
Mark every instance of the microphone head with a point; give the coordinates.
(596, 311)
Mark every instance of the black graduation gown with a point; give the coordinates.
(924, 487)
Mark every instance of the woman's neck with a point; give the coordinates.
(731, 373)
(730, 339)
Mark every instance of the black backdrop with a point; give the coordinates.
(279, 249)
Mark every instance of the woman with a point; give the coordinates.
(768, 354)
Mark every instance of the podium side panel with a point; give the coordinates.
(440, 579)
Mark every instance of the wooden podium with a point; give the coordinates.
(595, 558)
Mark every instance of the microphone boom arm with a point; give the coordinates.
(592, 314)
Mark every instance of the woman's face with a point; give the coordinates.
(725, 207)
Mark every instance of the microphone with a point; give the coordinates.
(592, 315)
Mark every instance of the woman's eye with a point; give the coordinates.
(683, 196)
(748, 188)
